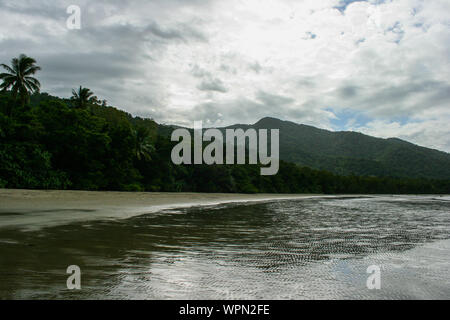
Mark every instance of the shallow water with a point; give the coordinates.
(291, 249)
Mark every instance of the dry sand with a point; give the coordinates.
(38, 208)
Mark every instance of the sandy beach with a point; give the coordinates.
(40, 208)
(318, 247)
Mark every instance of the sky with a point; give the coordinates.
(377, 67)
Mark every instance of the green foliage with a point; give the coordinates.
(51, 144)
(143, 147)
(352, 153)
(83, 97)
(26, 165)
(18, 77)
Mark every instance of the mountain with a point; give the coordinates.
(50, 144)
(343, 153)
(347, 153)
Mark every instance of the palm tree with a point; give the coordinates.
(19, 77)
(143, 147)
(83, 97)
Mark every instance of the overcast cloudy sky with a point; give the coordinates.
(379, 67)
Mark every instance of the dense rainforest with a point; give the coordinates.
(51, 143)
(81, 143)
(353, 153)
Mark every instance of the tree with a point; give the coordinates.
(143, 147)
(83, 97)
(19, 78)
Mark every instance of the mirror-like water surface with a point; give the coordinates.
(292, 249)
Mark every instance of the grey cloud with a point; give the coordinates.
(208, 82)
(393, 100)
(102, 57)
(182, 32)
(256, 67)
(389, 96)
(88, 65)
(44, 9)
(306, 82)
(131, 37)
(348, 91)
(199, 72)
(137, 55)
(228, 69)
(273, 100)
(212, 84)
(244, 110)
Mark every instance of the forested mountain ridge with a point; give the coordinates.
(54, 143)
(341, 152)
(347, 153)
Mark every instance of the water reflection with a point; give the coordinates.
(283, 249)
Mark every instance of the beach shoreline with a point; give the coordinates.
(41, 208)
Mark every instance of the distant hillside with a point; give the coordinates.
(343, 153)
(52, 143)
(347, 153)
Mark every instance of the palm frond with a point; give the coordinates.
(8, 68)
(18, 77)
(31, 70)
(33, 80)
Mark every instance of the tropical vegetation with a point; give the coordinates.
(81, 143)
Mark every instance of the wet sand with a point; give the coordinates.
(317, 247)
(40, 208)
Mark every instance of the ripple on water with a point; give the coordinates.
(292, 249)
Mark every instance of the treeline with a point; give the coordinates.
(53, 143)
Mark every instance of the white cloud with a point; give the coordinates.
(432, 133)
(180, 60)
